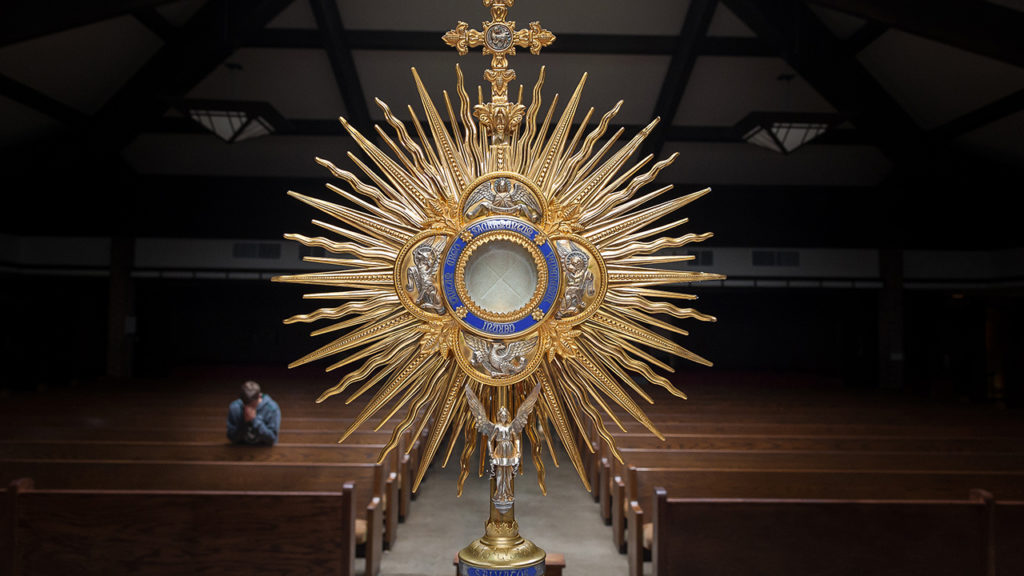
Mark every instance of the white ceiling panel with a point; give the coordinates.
(207, 155)
(725, 22)
(20, 124)
(298, 15)
(934, 82)
(723, 89)
(653, 17)
(841, 24)
(299, 83)
(1003, 139)
(82, 67)
(177, 13)
(741, 163)
(634, 79)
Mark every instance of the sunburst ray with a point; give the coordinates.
(429, 195)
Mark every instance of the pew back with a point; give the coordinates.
(1009, 538)
(820, 484)
(197, 475)
(173, 532)
(835, 537)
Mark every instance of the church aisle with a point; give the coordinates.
(566, 521)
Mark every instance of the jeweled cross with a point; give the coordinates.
(499, 39)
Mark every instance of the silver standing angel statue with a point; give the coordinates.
(503, 443)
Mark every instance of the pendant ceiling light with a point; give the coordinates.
(234, 121)
(785, 132)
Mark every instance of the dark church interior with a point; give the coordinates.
(865, 410)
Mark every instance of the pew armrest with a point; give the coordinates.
(391, 510)
(593, 457)
(405, 484)
(348, 517)
(374, 536)
(635, 543)
(659, 553)
(8, 524)
(604, 484)
(618, 508)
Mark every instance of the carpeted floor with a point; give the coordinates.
(566, 521)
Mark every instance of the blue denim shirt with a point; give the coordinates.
(263, 428)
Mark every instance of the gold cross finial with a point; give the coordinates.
(499, 39)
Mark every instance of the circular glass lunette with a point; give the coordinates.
(501, 277)
(545, 259)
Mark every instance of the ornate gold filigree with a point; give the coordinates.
(593, 335)
(499, 39)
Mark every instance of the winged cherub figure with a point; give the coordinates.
(503, 443)
(502, 196)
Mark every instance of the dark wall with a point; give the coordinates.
(959, 345)
(828, 332)
(188, 322)
(54, 329)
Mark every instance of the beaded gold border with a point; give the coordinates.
(538, 261)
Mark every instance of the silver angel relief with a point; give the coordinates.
(502, 197)
(421, 277)
(503, 443)
(579, 280)
(498, 359)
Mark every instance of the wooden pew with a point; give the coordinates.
(856, 443)
(75, 422)
(837, 537)
(799, 459)
(142, 437)
(756, 427)
(224, 452)
(369, 480)
(176, 532)
(1008, 528)
(639, 484)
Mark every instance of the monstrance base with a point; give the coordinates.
(521, 558)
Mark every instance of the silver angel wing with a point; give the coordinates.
(481, 192)
(520, 348)
(523, 414)
(437, 247)
(483, 425)
(521, 196)
(564, 248)
(475, 343)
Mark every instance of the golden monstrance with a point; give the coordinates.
(500, 278)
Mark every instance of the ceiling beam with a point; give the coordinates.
(980, 27)
(829, 67)
(331, 127)
(684, 57)
(983, 116)
(567, 43)
(334, 40)
(865, 36)
(41, 102)
(202, 44)
(157, 24)
(22, 21)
